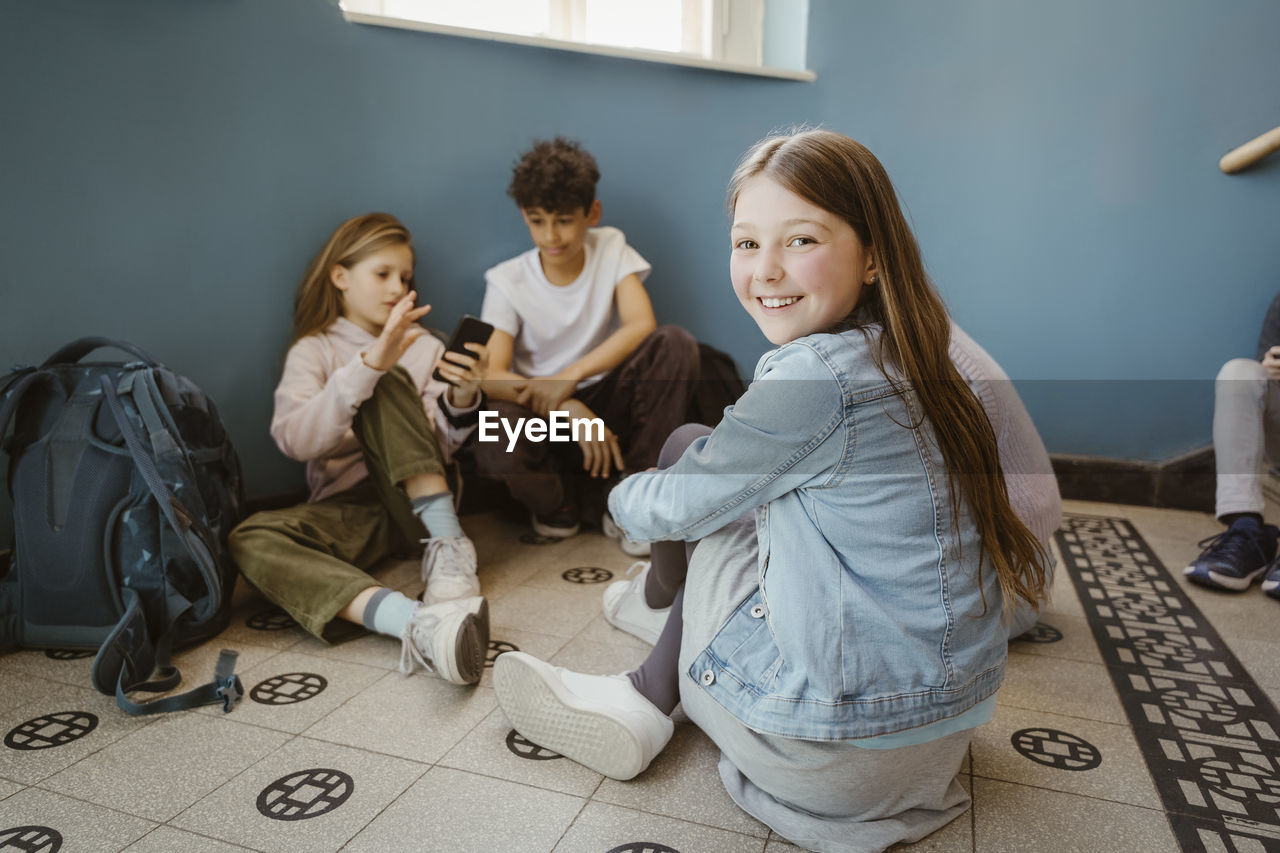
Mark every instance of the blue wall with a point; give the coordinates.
(169, 167)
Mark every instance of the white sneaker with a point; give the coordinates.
(449, 569)
(449, 639)
(600, 721)
(625, 607)
(630, 547)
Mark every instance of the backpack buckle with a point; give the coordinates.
(231, 691)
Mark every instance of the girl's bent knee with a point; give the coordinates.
(678, 442)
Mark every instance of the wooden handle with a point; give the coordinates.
(1251, 152)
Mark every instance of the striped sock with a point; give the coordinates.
(436, 512)
(388, 612)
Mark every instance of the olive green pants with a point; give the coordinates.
(312, 559)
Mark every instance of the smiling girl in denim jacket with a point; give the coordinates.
(846, 611)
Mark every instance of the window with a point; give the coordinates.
(726, 34)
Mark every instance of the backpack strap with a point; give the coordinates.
(225, 687)
(126, 651)
(81, 347)
(183, 522)
(15, 385)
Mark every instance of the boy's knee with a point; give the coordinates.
(678, 442)
(674, 340)
(1242, 368)
(1241, 381)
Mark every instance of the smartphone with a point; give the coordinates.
(470, 330)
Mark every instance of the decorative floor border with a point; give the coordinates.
(1208, 733)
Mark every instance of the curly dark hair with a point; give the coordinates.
(557, 176)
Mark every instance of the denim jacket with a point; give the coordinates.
(870, 616)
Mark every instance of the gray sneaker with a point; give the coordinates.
(449, 639)
(449, 569)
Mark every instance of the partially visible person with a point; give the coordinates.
(1246, 441)
(575, 332)
(358, 404)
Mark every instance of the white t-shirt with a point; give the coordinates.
(554, 326)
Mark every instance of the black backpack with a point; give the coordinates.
(124, 486)
(719, 385)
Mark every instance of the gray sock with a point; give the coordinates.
(658, 678)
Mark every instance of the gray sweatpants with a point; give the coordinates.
(826, 796)
(1246, 433)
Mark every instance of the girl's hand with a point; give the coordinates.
(464, 373)
(398, 334)
(1271, 361)
(597, 455)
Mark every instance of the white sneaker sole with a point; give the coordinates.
(553, 532)
(1227, 581)
(542, 710)
(464, 664)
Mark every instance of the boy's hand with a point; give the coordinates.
(1271, 361)
(597, 456)
(464, 373)
(543, 395)
(398, 334)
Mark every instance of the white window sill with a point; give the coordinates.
(598, 50)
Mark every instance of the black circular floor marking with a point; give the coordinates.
(1053, 748)
(1199, 707)
(51, 730)
(499, 647)
(68, 654)
(587, 574)
(1171, 648)
(288, 689)
(1041, 633)
(270, 620)
(1241, 781)
(31, 839)
(521, 746)
(305, 794)
(643, 847)
(535, 539)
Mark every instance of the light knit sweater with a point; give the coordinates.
(325, 381)
(1033, 488)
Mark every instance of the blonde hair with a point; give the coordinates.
(841, 176)
(318, 303)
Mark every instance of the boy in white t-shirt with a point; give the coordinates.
(574, 331)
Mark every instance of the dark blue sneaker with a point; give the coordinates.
(1271, 583)
(1236, 557)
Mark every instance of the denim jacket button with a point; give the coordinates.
(708, 677)
(757, 611)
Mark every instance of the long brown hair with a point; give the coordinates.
(841, 176)
(318, 303)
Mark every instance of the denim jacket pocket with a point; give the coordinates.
(742, 659)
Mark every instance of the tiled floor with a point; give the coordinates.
(362, 758)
